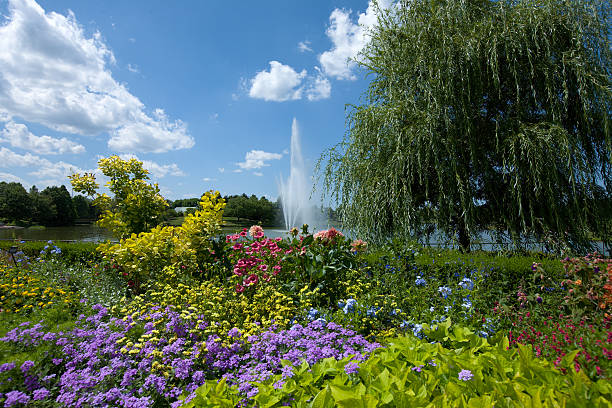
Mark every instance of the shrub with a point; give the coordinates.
(72, 252)
(411, 372)
(144, 256)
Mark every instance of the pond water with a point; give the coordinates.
(92, 233)
(86, 233)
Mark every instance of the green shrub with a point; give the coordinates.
(72, 252)
(414, 373)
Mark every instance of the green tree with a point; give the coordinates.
(43, 211)
(251, 208)
(481, 114)
(137, 206)
(65, 211)
(83, 207)
(15, 202)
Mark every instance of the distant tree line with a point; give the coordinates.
(52, 206)
(251, 208)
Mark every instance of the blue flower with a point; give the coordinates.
(420, 281)
(445, 291)
(467, 283)
(313, 313)
(416, 330)
(350, 306)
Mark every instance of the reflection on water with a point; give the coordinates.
(87, 233)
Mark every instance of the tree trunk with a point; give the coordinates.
(464, 237)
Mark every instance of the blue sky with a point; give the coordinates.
(203, 92)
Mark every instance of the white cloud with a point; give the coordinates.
(257, 173)
(304, 46)
(237, 171)
(256, 159)
(51, 73)
(50, 173)
(9, 158)
(11, 178)
(133, 68)
(348, 39)
(207, 179)
(157, 170)
(156, 135)
(281, 83)
(18, 135)
(319, 87)
(221, 170)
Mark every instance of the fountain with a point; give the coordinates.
(294, 192)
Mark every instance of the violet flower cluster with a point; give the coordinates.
(159, 355)
(265, 352)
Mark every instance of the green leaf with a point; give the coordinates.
(323, 399)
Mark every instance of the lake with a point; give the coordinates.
(93, 233)
(89, 233)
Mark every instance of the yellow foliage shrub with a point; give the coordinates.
(142, 255)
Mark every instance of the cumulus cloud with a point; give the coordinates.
(348, 39)
(304, 46)
(221, 170)
(9, 158)
(155, 169)
(18, 135)
(257, 173)
(51, 173)
(319, 87)
(151, 135)
(256, 159)
(207, 179)
(281, 83)
(51, 73)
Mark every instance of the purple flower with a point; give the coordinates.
(287, 372)
(234, 332)
(26, 365)
(465, 375)
(417, 368)
(351, 367)
(16, 397)
(6, 367)
(40, 394)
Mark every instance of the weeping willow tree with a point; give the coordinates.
(481, 115)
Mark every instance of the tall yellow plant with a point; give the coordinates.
(137, 206)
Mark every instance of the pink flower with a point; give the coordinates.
(252, 279)
(359, 245)
(256, 231)
(263, 267)
(239, 288)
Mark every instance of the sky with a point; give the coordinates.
(202, 92)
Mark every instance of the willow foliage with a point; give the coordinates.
(481, 114)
